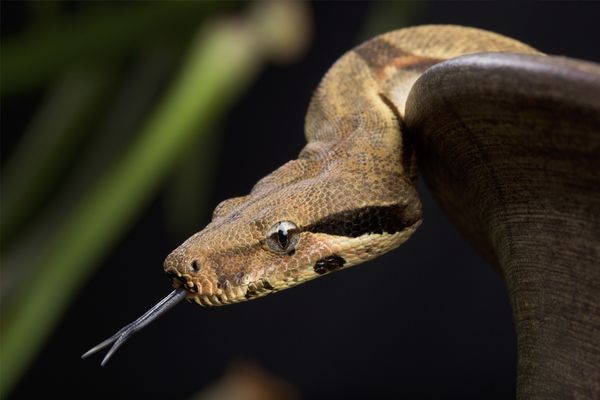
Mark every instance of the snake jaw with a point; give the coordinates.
(208, 294)
(228, 280)
(179, 280)
(195, 293)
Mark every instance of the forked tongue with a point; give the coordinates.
(127, 331)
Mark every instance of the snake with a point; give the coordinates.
(350, 195)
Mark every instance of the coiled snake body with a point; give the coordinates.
(350, 196)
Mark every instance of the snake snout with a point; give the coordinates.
(181, 268)
(182, 262)
(183, 281)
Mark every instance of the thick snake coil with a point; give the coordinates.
(350, 196)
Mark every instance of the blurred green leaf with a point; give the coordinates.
(95, 34)
(186, 197)
(107, 137)
(221, 62)
(49, 142)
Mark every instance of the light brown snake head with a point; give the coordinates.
(289, 230)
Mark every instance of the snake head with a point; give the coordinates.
(306, 219)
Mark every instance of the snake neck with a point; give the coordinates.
(358, 109)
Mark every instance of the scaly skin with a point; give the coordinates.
(508, 144)
(351, 192)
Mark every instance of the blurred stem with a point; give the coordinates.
(122, 117)
(96, 34)
(49, 142)
(186, 197)
(221, 62)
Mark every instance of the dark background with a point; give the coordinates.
(430, 320)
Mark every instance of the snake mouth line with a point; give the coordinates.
(195, 295)
(223, 296)
(183, 281)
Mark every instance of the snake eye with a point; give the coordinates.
(283, 237)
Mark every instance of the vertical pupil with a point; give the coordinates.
(282, 237)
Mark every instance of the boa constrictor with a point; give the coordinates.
(348, 198)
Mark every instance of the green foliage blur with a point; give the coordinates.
(126, 89)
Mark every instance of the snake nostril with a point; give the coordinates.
(195, 265)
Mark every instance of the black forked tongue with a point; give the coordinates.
(127, 331)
